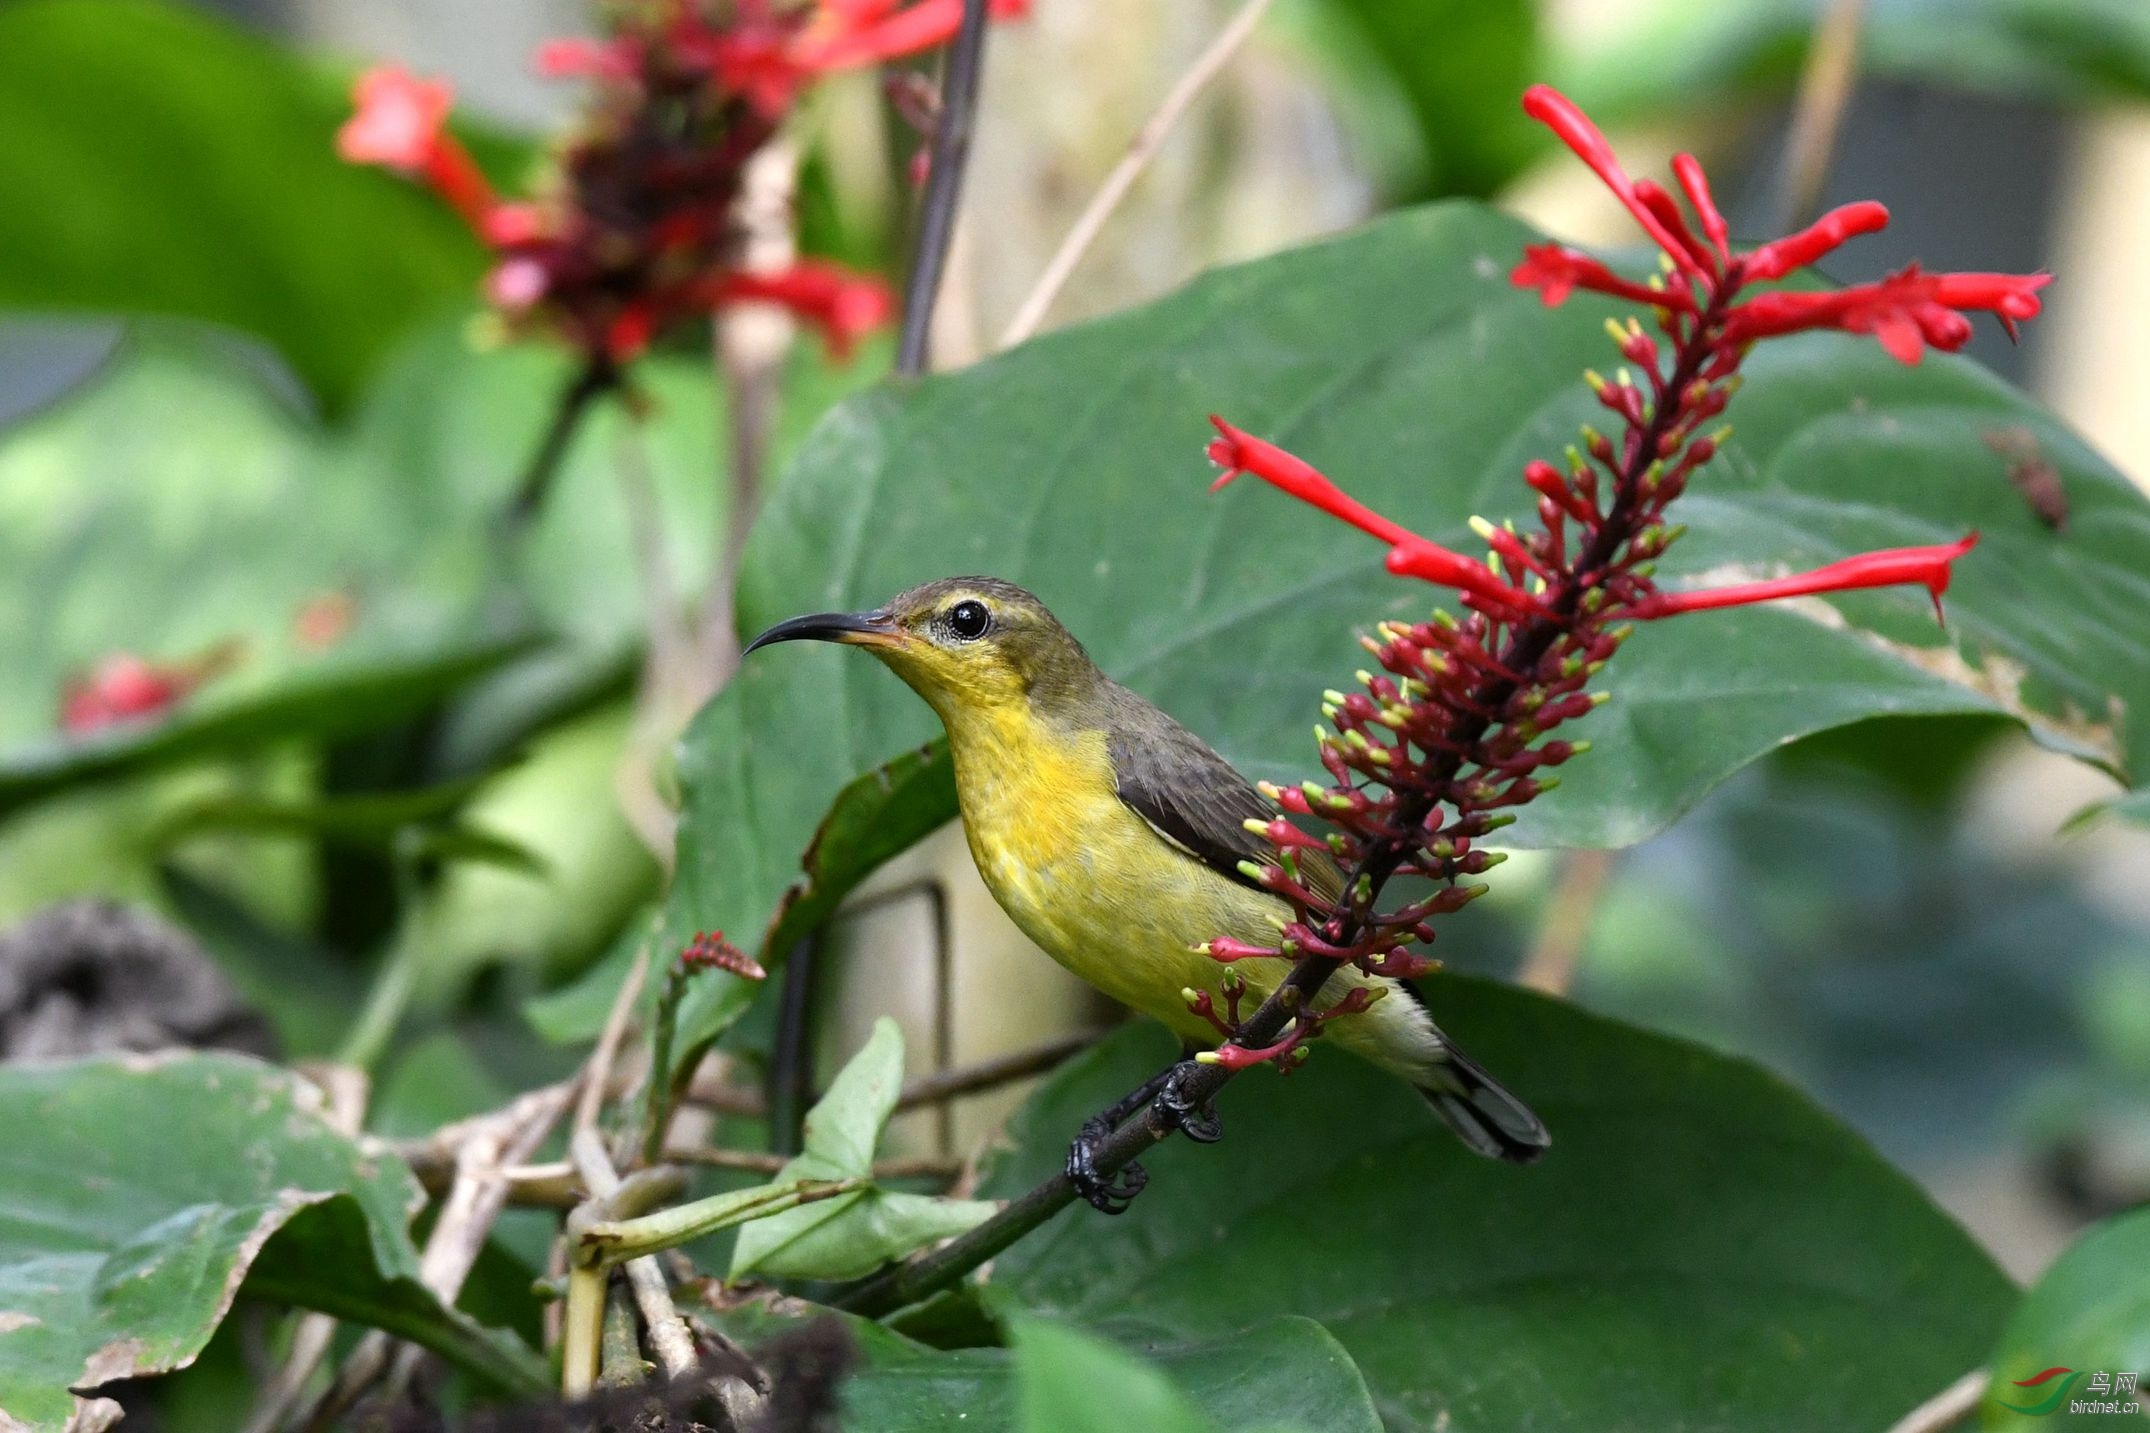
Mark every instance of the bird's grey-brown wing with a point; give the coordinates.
(1196, 799)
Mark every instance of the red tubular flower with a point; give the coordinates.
(1556, 271)
(1237, 451)
(1927, 567)
(1696, 186)
(1560, 114)
(400, 123)
(1907, 312)
(1824, 236)
(843, 305)
(856, 35)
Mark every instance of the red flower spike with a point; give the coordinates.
(630, 237)
(1422, 765)
(1927, 567)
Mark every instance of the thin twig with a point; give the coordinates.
(1947, 1408)
(480, 1190)
(592, 381)
(1140, 150)
(945, 1085)
(944, 186)
(926, 1089)
(1825, 88)
(669, 1337)
(1550, 965)
(754, 1161)
(597, 1073)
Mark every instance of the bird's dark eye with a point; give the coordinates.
(968, 620)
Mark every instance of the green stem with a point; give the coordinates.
(582, 1331)
(602, 1243)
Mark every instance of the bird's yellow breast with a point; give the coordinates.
(1085, 876)
(1104, 894)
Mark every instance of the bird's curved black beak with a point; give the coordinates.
(870, 629)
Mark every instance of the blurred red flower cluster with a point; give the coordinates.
(633, 227)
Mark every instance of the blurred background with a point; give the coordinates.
(1909, 921)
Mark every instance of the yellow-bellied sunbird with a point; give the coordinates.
(1113, 836)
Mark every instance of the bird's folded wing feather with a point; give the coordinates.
(1199, 802)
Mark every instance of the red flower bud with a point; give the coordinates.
(1823, 236)
(711, 951)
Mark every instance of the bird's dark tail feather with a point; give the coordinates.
(1483, 1114)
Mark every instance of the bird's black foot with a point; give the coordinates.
(1107, 1194)
(1199, 1123)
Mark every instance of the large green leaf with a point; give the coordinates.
(1676, 54)
(137, 1195)
(1402, 361)
(1266, 1373)
(175, 507)
(1700, 1243)
(160, 160)
(853, 1234)
(2089, 1314)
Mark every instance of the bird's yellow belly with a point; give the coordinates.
(1102, 893)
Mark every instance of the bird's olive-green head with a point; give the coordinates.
(965, 644)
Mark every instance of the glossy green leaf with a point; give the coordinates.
(2088, 1314)
(879, 815)
(1281, 1373)
(1676, 55)
(1401, 361)
(853, 1234)
(161, 160)
(1700, 1240)
(138, 1194)
(1067, 1381)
